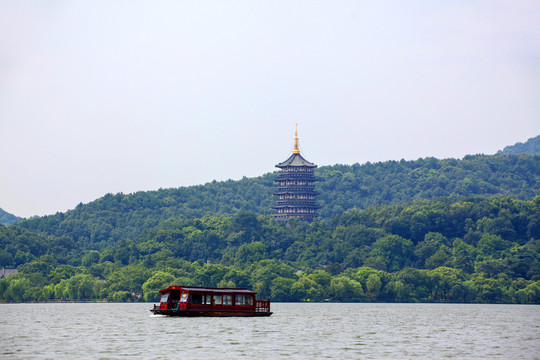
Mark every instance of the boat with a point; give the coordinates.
(208, 301)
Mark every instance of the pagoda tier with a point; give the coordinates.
(295, 195)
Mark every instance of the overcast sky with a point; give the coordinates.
(123, 96)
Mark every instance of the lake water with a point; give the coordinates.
(295, 331)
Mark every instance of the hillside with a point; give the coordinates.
(107, 220)
(531, 146)
(471, 250)
(426, 230)
(7, 218)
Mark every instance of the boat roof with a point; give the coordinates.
(209, 290)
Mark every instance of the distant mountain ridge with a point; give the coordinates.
(531, 146)
(7, 218)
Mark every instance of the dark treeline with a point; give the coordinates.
(476, 249)
(112, 218)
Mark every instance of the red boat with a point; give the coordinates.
(202, 301)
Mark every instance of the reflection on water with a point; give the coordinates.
(298, 331)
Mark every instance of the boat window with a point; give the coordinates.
(240, 299)
(184, 297)
(208, 300)
(164, 297)
(227, 299)
(174, 295)
(217, 299)
(196, 298)
(244, 299)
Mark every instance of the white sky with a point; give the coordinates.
(122, 96)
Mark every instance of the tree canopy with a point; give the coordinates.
(7, 218)
(115, 217)
(531, 146)
(469, 250)
(425, 230)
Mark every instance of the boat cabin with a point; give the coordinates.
(203, 301)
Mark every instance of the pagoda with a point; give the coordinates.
(296, 195)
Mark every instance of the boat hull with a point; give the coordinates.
(209, 313)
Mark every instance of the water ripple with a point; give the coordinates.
(295, 331)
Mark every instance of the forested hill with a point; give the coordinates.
(398, 182)
(531, 146)
(7, 218)
(427, 230)
(111, 218)
(482, 249)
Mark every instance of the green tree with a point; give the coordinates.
(493, 245)
(305, 289)
(281, 289)
(323, 279)
(246, 223)
(373, 286)
(81, 287)
(393, 251)
(61, 290)
(442, 257)
(128, 278)
(17, 289)
(90, 258)
(447, 284)
(428, 247)
(250, 253)
(463, 256)
(343, 289)
(396, 290)
(159, 280)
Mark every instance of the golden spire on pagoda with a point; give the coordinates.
(296, 150)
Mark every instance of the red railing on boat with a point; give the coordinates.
(170, 306)
(262, 305)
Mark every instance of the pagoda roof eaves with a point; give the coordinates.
(296, 160)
